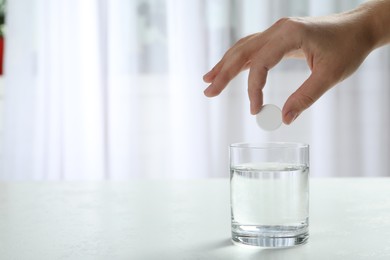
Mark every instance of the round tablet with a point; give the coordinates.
(269, 118)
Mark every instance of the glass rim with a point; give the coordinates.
(269, 145)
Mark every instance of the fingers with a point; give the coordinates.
(224, 72)
(234, 61)
(210, 76)
(266, 58)
(311, 90)
(261, 52)
(256, 81)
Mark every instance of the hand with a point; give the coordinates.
(333, 46)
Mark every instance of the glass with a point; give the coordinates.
(269, 192)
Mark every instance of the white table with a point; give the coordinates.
(350, 219)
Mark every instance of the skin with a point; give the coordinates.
(333, 46)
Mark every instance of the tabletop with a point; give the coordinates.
(349, 219)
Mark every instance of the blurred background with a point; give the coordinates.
(112, 89)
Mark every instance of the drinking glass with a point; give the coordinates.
(269, 192)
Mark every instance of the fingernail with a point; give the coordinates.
(206, 92)
(291, 116)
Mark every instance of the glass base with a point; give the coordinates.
(269, 242)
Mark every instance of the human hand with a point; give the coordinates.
(334, 46)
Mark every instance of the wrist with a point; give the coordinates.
(375, 17)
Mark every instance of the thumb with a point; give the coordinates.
(311, 90)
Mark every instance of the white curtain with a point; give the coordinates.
(111, 89)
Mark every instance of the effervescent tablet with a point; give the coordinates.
(269, 118)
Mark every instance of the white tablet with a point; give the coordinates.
(269, 118)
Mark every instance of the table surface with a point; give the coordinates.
(349, 219)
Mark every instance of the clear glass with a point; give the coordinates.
(269, 189)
